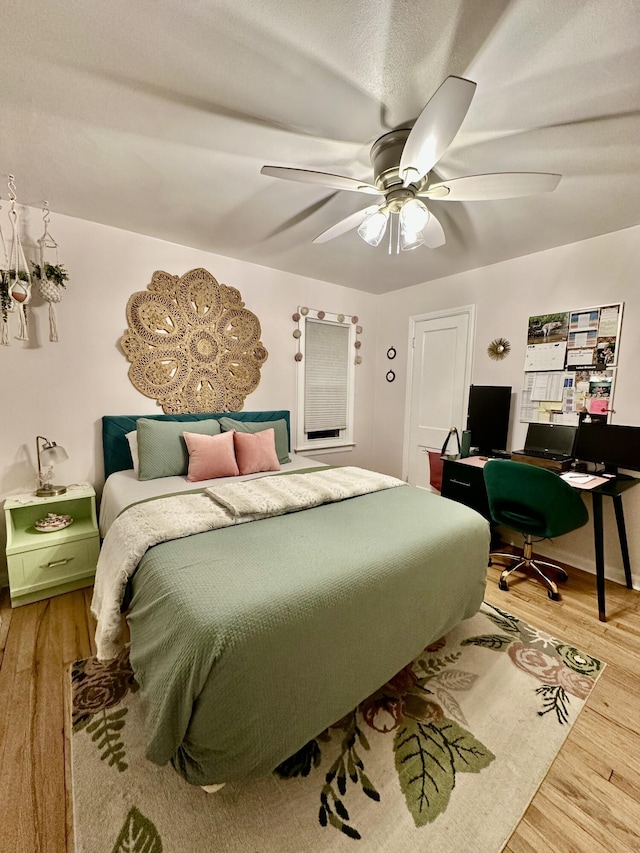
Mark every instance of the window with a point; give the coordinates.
(326, 386)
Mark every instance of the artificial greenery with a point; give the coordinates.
(5, 299)
(15, 275)
(52, 272)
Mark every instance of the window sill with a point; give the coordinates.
(311, 449)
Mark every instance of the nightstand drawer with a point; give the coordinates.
(50, 567)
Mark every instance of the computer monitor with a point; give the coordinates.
(488, 417)
(551, 438)
(612, 445)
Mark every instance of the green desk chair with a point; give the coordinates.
(537, 503)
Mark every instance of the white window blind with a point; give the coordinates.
(326, 376)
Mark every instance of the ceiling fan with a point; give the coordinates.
(402, 162)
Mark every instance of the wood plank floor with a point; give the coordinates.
(589, 801)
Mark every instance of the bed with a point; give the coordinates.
(250, 640)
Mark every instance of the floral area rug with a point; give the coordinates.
(446, 756)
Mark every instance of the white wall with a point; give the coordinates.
(593, 272)
(61, 390)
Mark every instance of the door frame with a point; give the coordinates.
(470, 311)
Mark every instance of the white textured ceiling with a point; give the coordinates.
(156, 117)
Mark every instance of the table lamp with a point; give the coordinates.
(48, 454)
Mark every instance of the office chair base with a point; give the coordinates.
(526, 563)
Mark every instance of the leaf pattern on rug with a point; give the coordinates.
(332, 808)
(429, 747)
(138, 835)
(105, 729)
(427, 759)
(97, 687)
(563, 670)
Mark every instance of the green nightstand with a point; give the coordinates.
(45, 564)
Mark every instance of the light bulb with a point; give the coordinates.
(413, 216)
(373, 228)
(410, 240)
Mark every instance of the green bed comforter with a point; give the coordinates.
(249, 641)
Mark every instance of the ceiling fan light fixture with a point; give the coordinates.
(403, 161)
(413, 216)
(373, 228)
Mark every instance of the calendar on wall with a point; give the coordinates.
(570, 364)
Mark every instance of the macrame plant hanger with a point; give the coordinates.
(49, 290)
(7, 303)
(18, 274)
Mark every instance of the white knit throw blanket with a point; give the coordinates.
(147, 524)
(270, 496)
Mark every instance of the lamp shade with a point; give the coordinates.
(410, 240)
(51, 454)
(413, 216)
(373, 228)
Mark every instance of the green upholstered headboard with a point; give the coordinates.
(115, 447)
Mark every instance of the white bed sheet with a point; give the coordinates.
(123, 488)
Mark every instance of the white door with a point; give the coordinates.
(438, 385)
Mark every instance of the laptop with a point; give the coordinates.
(549, 441)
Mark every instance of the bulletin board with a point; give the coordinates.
(570, 364)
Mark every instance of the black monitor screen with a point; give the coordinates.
(488, 416)
(612, 445)
(551, 438)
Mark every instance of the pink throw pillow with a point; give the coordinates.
(210, 456)
(256, 451)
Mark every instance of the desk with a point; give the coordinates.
(463, 481)
(613, 489)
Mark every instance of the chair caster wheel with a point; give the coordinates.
(562, 576)
(503, 585)
(554, 596)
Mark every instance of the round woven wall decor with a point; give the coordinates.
(192, 344)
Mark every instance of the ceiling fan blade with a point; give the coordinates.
(347, 224)
(499, 185)
(433, 233)
(435, 128)
(324, 179)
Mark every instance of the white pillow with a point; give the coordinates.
(132, 438)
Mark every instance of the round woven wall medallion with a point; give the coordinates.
(192, 344)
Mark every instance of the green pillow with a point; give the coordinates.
(280, 427)
(162, 451)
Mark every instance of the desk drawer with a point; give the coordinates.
(465, 484)
(50, 567)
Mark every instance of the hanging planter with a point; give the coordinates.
(51, 278)
(16, 278)
(50, 285)
(6, 303)
(18, 284)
